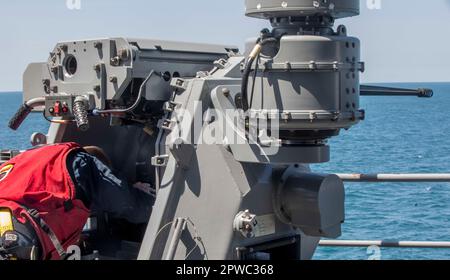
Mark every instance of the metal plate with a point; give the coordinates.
(265, 226)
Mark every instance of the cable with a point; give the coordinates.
(191, 251)
(248, 68)
(254, 80)
(161, 229)
(57, 121)
(136, 103)
(198, 239)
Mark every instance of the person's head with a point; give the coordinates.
(99, 153)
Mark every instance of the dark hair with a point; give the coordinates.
(98, 153)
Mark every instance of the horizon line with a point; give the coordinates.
(432, 82)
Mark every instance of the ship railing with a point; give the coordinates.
(395, 178)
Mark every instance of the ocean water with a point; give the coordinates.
(400, 134)
(20, 139)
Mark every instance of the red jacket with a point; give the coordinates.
(38, 179)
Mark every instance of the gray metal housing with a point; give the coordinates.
(312, 80)
(274, 8)
(105, 68)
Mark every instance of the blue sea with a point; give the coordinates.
(400, 134)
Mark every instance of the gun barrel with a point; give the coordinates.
(390, 91)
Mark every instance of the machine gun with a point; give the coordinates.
(226, 138)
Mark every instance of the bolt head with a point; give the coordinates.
(115, 61)
(226, 92)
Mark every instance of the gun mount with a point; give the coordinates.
(225, 138)
(305, 70)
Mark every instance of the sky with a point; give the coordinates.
(403, 41)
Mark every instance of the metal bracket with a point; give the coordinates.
(165, 124)
(170, 106)
(245, 223)
(221, 63)
(178, 83)
(183, 154)
(160, 160)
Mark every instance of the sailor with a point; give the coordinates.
(47, 194)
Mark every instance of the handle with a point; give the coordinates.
(20, 116)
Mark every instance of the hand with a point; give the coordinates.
(145, 187)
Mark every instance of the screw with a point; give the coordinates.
(226, 92)
(115, 61)
(98, 45)
(96, 88)
(97, 67)
(336, 116)
(113, 79)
